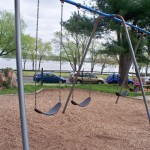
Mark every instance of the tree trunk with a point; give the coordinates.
(24, 65)
(124, 63)
(24, 61)
(40, 63)
(92, 66)
(72, 66)
(124, 67)
(33, 65)
(146, 70)
(103, 66)
(75, 64)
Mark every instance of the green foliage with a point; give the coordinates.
(7, 34)
(6, 84)
(82, 25)
(8, 91)
(79, 24)
(43, 49)
(72, 50)
(131, 10)
(75, 40)
(30, 51)
(136, 12)
(27, 43)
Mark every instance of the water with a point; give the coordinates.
(53, 65)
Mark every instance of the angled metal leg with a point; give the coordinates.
(83, 58)
(136, 66)
(138, 43)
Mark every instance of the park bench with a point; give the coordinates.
(146, 86)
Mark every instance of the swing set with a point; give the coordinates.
(56, 108)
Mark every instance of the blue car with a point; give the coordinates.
(115, 78)
(48, 78)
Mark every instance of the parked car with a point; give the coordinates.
(48, 77)
(115, 78)
(146, 80)
(86, 77)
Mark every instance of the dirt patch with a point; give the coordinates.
(102, 125)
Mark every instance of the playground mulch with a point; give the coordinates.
(102, 125)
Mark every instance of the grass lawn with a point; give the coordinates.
(107, 88)
(31, 73)
(28, 73)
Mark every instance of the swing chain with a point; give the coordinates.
(37, 27)
(62, 1)
(79, 6)
(61, 35)
(36, 43)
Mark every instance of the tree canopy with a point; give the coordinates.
(7, 33)
(136, 12)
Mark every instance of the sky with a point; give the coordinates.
(49, 15)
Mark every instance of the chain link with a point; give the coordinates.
(61, 42)
(36, 44)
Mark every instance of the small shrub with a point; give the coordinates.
(6, 84)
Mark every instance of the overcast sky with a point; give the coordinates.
(49, 18)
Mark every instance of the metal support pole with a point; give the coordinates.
(83, 58)
(105, 15)
(138, 43)
(136, 65)
(20, 77)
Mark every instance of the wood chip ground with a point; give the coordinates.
(102, 125)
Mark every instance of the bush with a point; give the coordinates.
(8, 78)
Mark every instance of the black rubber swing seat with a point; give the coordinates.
(134, 90)
(123, 94)
(82, 104)
(118, 94)
(52, 111)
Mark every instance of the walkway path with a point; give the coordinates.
(141, 97)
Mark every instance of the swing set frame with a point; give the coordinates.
(117, 18)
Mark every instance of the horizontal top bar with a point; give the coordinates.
(105, 15)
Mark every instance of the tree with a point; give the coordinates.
(69, 49)
(27, 43)
(78, 30)
(98, 55)
(134, 11)
(7, 34)
(79, 27)
(44, 48)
